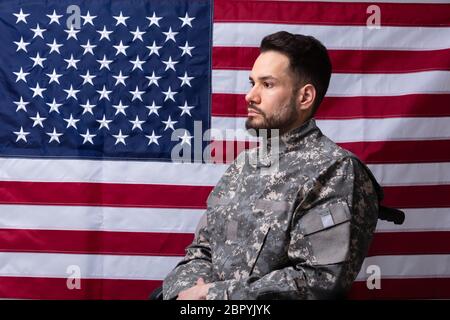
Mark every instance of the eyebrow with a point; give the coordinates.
(263, 78)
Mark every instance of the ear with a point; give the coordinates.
(305, 98)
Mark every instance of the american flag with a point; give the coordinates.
(89, 114)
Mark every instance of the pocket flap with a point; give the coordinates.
(314, 221)
(271, 205)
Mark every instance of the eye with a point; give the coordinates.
(252, 84)
(268, 84)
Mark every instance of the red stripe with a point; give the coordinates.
(374, 152)
(94, 242)
(409, 243)
(434, 196)
(347, 61)
(417, 196)
(174, 244)
(412, 105)
(104, 194)
(401, 151)
(421, 288)
(56, 289)
(330, 13)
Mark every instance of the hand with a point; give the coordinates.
(197, 292)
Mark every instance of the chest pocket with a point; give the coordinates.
(268, 240)
(327, 231)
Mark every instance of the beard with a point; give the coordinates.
(282, 119)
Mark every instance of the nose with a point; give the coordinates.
(253, 96)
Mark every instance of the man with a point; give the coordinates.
(302, 231)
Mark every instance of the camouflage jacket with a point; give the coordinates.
(300, 231)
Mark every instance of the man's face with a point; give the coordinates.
(271, 100)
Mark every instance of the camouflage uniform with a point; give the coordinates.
(301, 232)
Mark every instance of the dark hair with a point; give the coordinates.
(308, 59)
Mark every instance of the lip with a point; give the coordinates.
(252, 113)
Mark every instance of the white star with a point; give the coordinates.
(88, 48)
(153, 109)
(87, 78)
(137, 123)
(54, 106)
(21, 75)
(104, 94)
(21, 45)
(71, 93)
(186, 109)
(153, 79)
(169, 94)
(38, 120)
(120, 108)
(21, 135)
(38, 32)
(169, 124)
(54, 46)
(88, 137)
(54, 17)
(37, 91)
(21, 105)
(104, 123)
(88, 19)
(120, 79)
(186, 20)
(72, 33)
(71, 122)
(185, 80)
(54, 77)
(153, 138)
(137, 34)
(154, 49)
(121, 49)
(170, 35)
(186, 49)
(186, 138)
(137, 94)
(121, 19)
(120, 138)
(170, 64)
(54, 136)
(38, 60)
(137, 63)
(71, 62)
(154, 20)
(21, 16)
(104, 34)
(104, 63)
(87, 107)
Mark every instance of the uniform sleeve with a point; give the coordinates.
(331, 230)
(196, 264)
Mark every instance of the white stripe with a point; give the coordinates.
(350, 84)
(386, 174)
(351, 130)
(412, 173)
(156, 268)
(169, 220)
(99, 218)
(411, 266)
(91, 266)
(417, 220)
(337, 37)
(54, 170)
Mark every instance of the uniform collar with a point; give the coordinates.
(272, 148)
